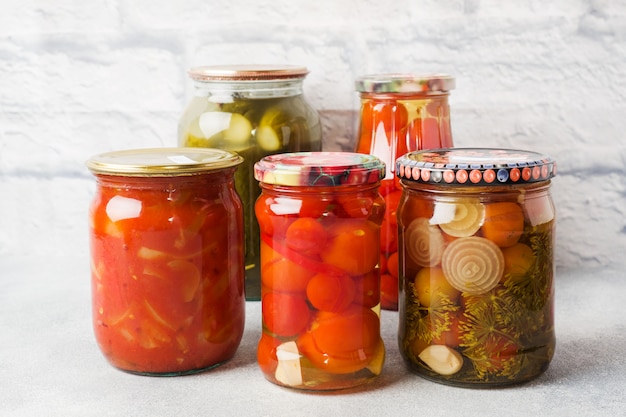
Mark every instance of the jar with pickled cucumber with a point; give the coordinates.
(255, 111)
(476, 249)
(400, 113)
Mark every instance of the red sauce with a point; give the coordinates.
(167, 271)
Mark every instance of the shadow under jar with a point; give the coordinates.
(166, 239)
(476, 245)
(254, 110)
(320, 215)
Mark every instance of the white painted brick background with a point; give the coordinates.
(78, 77)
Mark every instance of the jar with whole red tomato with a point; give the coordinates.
(476, 249)
(400, 113)
(167, 271)
(319, 214)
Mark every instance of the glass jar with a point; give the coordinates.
(166, 237)
(320, 216)
(476, 245)
(255, 111)
(400, 113)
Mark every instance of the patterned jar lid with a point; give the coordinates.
(319, 169)
(475, 166)
(405, 83)
(162, 162)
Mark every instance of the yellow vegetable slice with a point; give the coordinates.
(233, 128)
(466, 219)
(424, 242)
(473, 265)
(272, 127)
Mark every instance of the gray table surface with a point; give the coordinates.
(51, 366)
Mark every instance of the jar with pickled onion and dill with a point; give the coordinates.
(254, 110)
(167, 274)
(319, 215)
(476, 245)
(400, 113)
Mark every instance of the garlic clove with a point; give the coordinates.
(288, 370)
(442, 359)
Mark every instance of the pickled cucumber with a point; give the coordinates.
(254, 128)
(234, 129)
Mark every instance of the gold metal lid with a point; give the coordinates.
(162, 162)
(247, 72)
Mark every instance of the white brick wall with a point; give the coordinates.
(81, 77)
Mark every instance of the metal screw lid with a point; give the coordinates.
(319, 169)
(475, 166)
(247, 72)
(162, 161)
(405, 83)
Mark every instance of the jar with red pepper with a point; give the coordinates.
(400, 113)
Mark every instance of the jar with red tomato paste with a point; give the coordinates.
(167, 270)
(320, 215)
(400, 113)
(476, 248)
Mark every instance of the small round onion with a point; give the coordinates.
(468, 217)
(473, 265)
(424, 242)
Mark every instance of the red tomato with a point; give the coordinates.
(271, 223)
(266, 354)
(342, 342)
(357, 206)
(388, 237)
(389, 292)
(313, 206)
(393, 265)
(367, 289)
(355, 329)
(306, 235)
(284, 275)
(330, 292)
(391, 204)
(284, 314)
(353, 246)
(387, 186)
